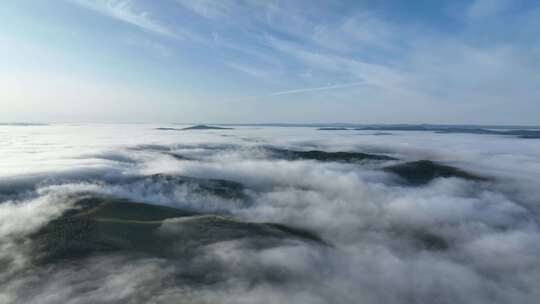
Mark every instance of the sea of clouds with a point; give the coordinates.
(372, 223)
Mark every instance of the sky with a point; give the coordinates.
(298, 61)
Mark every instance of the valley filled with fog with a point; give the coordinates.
(140, 213)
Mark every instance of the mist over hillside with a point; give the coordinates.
(257, 214)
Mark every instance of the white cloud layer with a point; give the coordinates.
(486, 234)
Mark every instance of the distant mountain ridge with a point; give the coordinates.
(196, 127)
(522, 132)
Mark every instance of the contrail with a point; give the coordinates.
(296, 91)
(332, 87)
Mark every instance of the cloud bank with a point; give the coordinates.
(450, 240)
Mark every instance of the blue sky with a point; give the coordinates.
(235, 61)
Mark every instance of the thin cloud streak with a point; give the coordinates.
(125, 12)
(246, 69)
(306, 90)
(325, 88)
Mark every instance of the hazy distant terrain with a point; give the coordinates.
(129, 213)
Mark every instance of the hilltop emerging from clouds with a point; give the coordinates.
(136, 213)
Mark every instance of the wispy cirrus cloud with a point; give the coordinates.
(246, 69)
(475, 59)
(484, 8)
(323, 88)
(212, 9)
(125, 11)
(340, 66)
(307, 90)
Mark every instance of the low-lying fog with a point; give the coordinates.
(259, 219)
